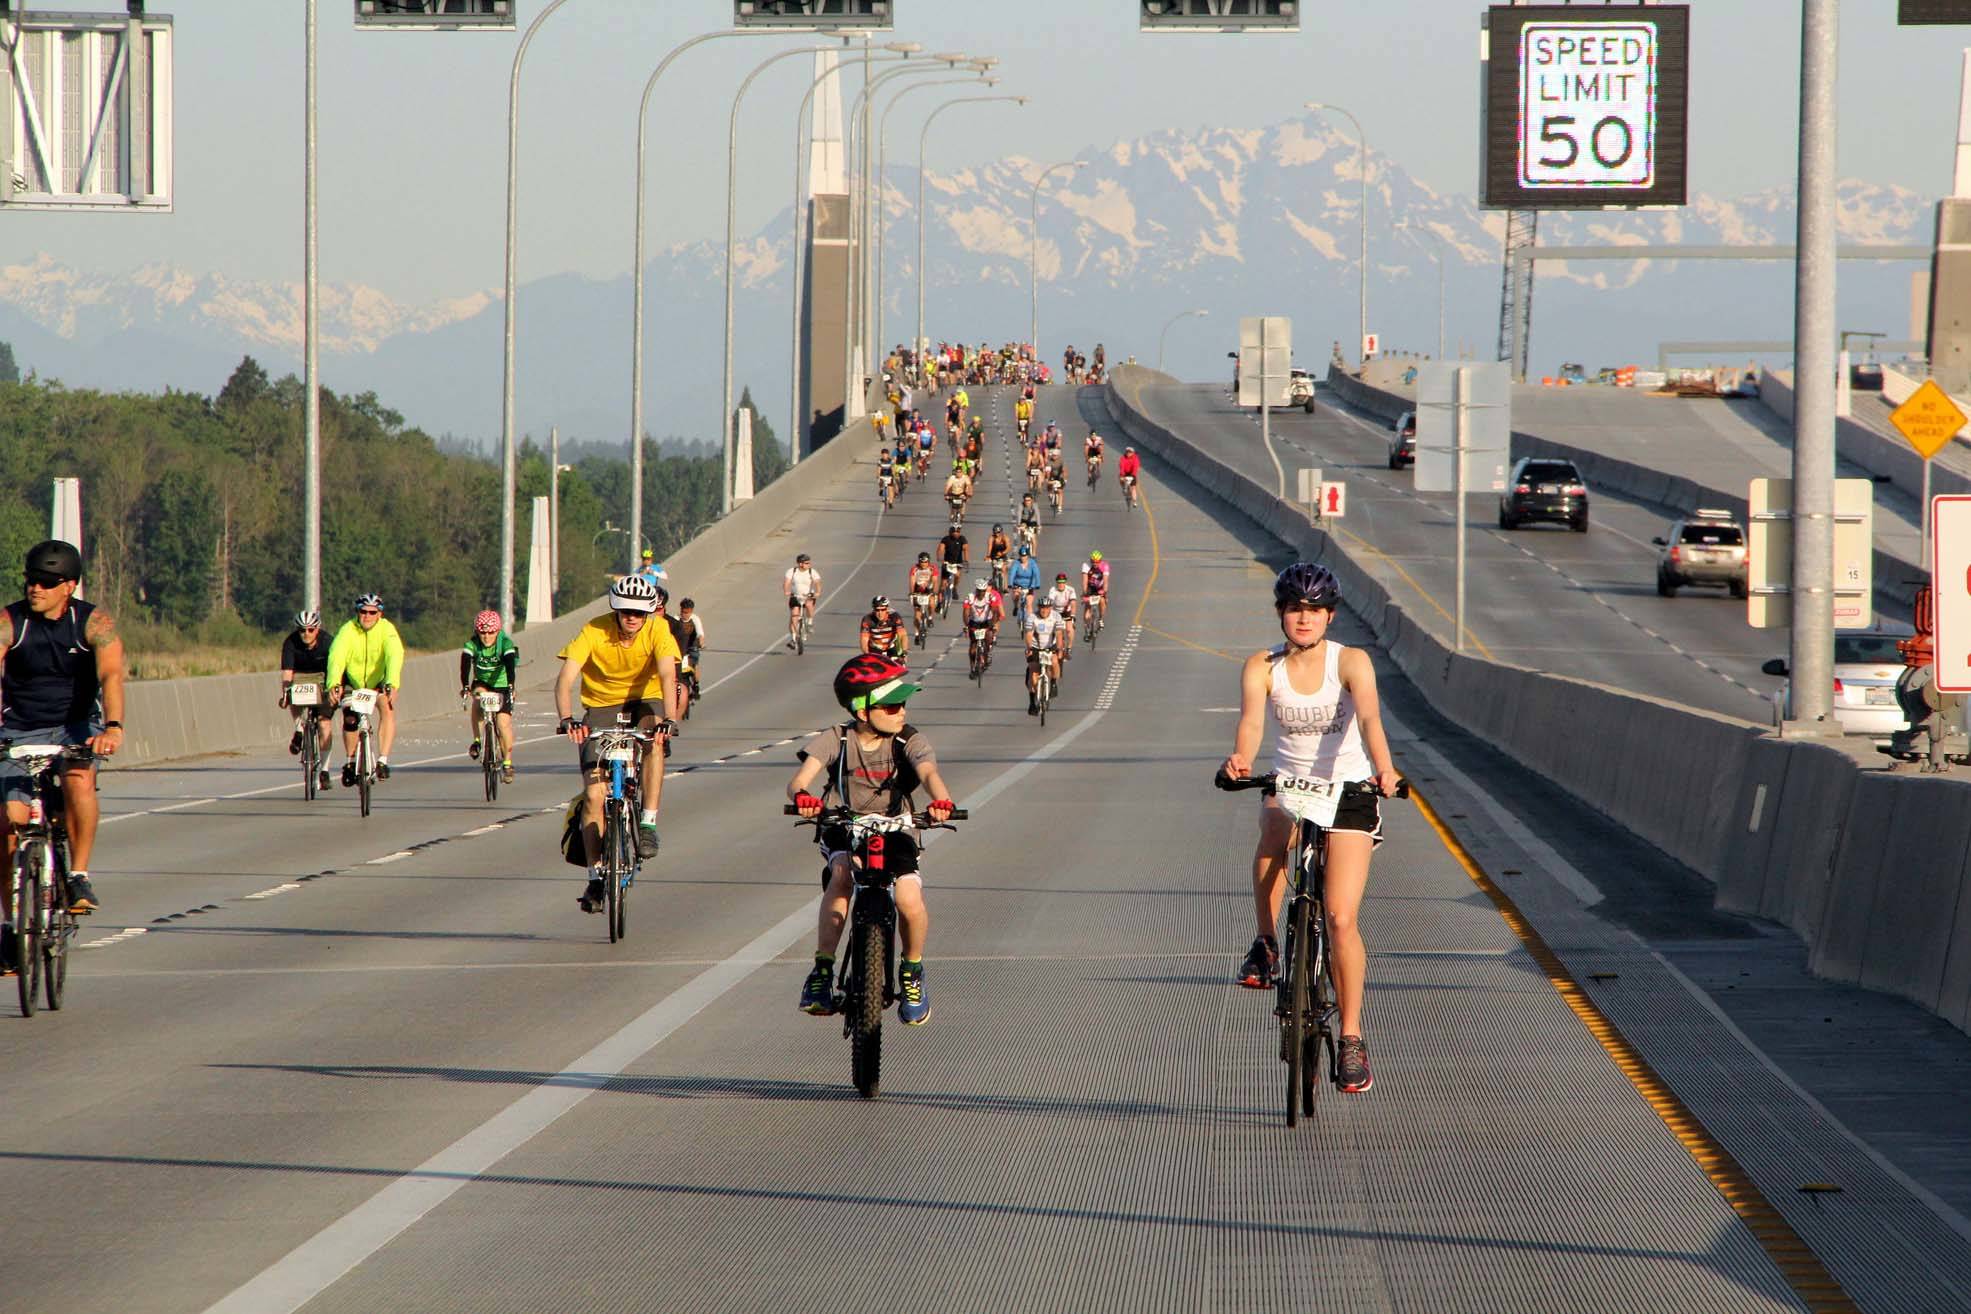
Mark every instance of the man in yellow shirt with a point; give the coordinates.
(626, 664)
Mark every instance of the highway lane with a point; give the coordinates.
(1089, 1118)
(1578, 604)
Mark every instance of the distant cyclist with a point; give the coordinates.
(1095, 585)
(882, 630)
(1129, 472)
(873, 764)
(304, 652)
(802, 585)
(1045, 632)
(368, 653)
(651, 570)
(490, 662)
(1062, 595)
(61, 682)
(1322, 700)
(1024, 579)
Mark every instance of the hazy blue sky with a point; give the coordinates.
(413, 124)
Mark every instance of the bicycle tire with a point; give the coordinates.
(866, 1009)
(54, 958)
(27, 934)
(363, 772)
(489, 747)
(1046, 696)
(1295, 1037)
(310, 760)
(612, 881)
(800, 642)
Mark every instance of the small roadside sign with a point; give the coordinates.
(1334, 501)
(1928, 419)
(1950, 573)
(1310, 485)
(1769, 554)
(1370, 341)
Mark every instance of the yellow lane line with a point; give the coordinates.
(1178, 638)
(1802, 1269)
(1156, 553)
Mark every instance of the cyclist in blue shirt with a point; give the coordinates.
(652, 571)
(1024, 579)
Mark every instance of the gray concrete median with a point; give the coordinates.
(1872, 870)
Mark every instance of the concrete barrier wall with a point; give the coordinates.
(170, 719)
(1872, 870)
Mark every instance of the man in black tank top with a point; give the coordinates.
(61, 682)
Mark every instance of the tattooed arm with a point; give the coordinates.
(108, 644)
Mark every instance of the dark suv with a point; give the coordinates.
(1403, 440)
(1542, 488)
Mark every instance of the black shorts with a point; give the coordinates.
(642, 715)
(899, 851)
(506, 697)
(1360, 810)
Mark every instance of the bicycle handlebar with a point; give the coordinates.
(1265, 783)
(841, 816)
(69, 753)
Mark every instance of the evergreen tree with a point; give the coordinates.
(9, 371)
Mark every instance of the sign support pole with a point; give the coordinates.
(311, 460)
(1460, 394)
(1266, 413)
(1812, 637)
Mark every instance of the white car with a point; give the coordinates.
(1866, 668)
(1300, 390)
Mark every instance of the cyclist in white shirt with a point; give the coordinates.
(1045, 631)
(1062, 595)
(802, 585)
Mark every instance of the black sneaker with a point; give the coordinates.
(592, 898)
(294, 744)
(818, 991)
(1261, 965)
(383, 771)
(646, 839)
(1352, 1066)
(323, 783)
(7, 951)
(348, 775)
(472, 750)
(81, 898)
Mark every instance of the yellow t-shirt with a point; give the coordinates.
(615, 673)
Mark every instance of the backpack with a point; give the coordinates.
(904, 780)
(571, 833)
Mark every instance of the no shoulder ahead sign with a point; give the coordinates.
(1585, 106)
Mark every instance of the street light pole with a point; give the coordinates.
(507, 437)
(1033, 253)
(1362, 168)
(311, 471)
(923, 140)
(1182, 314)
(636, 285)
(731, 208)
(882, 163)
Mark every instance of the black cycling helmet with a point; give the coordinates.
(54, 557)
(878, 602)
(1305, 582)
(872, 680)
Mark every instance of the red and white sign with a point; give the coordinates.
(1334, 501)
(1950, 576)
(1370, 342)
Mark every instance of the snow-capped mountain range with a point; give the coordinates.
(1234, 220)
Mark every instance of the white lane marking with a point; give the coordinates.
(482, 830)
(314, 1265)
(1946, 1215)
(1542, 853)
(398, 856)
(274, 890)
(127, 933)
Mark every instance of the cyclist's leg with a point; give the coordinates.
(504, 724)
(653, 760)
(14, 814)
(595, 792)
(793, 614)
(914, 917)
(834, 904)
(79, 795)
(386, 718)
(1269, 868)
(1347, 876)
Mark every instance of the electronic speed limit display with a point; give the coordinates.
(1585, 108)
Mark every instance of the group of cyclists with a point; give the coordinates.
(61, 682)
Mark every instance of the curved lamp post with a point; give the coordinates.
(1182, 314)
(923, 139)
(1361, 168)
(1033, 251)
(978, 79)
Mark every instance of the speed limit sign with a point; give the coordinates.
(1585, 106)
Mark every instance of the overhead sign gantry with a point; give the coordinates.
(816, 15)
(1585, 108)
(437, 15)
(85, 110)
(1218, 15)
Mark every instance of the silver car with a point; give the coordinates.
(1866, 668)
(1707, 547)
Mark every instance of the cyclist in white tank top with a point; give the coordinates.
(1322, 700)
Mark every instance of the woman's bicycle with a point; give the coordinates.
(1042, 665)
(1129, 492)
(1054, 492)
(1306, 1003)
(981, 648)
(488, 704)
(308, 697)
(1091, 620)
(44, 928)
(361, 703)
(868, 974)
(803, 631)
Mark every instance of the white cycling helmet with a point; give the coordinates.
(633, 593)
(978, 586)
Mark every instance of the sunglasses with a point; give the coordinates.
(370, 611)
(41, 580)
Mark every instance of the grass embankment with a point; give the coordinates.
(223, 645)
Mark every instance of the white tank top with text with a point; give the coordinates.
(1316, 734)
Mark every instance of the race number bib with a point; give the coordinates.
(1309, 800)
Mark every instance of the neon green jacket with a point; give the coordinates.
(366, 659)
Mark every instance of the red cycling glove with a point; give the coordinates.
(802, 802)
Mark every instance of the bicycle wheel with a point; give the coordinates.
(27, 921)
(800, 638)
(54, 956)
(1046, 683)
(310, 759)
(1295, 1038)
(614, 838)
(365, 767)
(865, 1005)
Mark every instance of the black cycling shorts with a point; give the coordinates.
(899, 851)
(506, 697)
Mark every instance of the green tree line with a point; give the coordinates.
(193, 514)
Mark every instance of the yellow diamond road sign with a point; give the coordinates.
(1928, 419)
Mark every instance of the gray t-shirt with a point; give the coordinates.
(870, 787)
